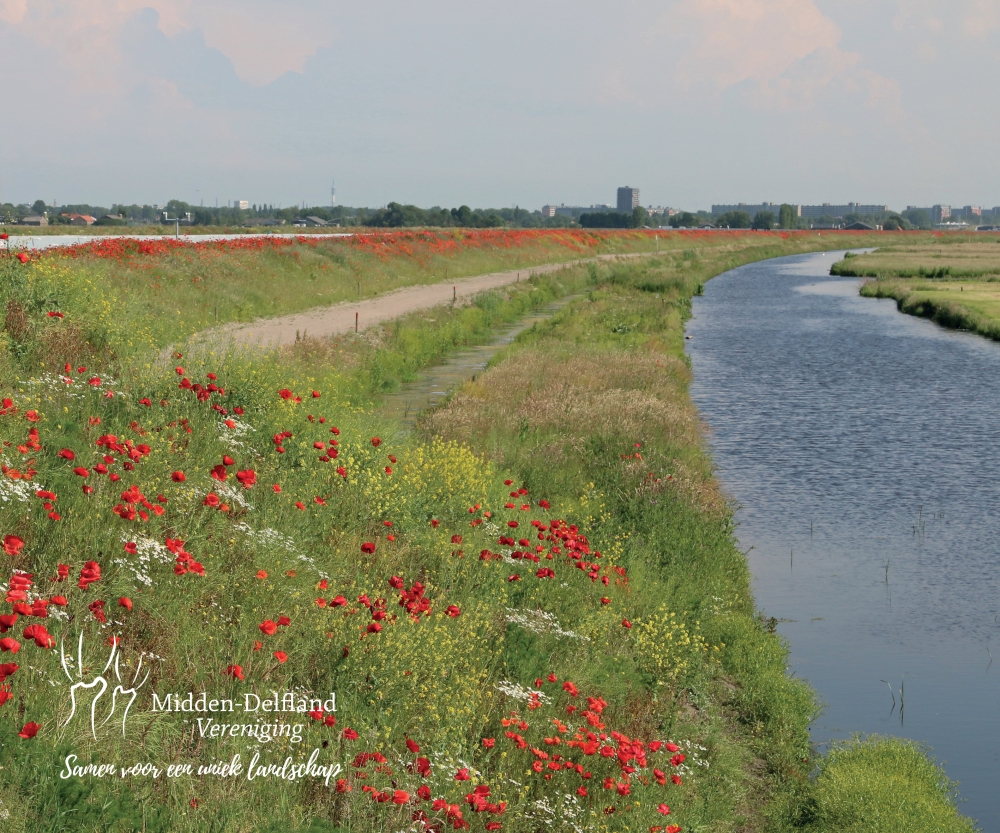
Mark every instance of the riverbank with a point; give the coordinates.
(249, 523)
(958, 305)
(953, 283)
(593, 407)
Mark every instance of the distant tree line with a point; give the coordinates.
(399, 215)
(394, 215)
(615, 219)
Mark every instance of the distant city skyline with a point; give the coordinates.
(445, 104)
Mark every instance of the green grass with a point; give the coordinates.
(955, 281)
(561, 414)
(385, 356)
(973, 255)
(611, 380)
(161, 293)
(882, 785)
(962, 305)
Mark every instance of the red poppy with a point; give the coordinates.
(262, 574)
(66, 454)
(453, 611)
(268, 627)
(283, 621)
(350, 734)
(663, 809)
(412, 745)
(285, 393)
(248, 478)
(5, 694)
(626, 623)
(462, 774)
(125, 602)
(281, 656)
(12, 544)
(29, 731)
(368, 548)
(21, 256)
(81, 472)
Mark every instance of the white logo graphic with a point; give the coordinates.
(100, 682)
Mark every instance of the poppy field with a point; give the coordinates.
(237, 598)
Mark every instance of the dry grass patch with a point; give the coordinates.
(558, 402)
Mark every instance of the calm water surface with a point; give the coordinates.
(863, 446)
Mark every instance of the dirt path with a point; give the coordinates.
(340, 318)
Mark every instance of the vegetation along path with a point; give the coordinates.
(345, 316)
(532, 610)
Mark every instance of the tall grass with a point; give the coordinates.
(598, 396)
(659, 629)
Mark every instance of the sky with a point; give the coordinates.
(442, 102)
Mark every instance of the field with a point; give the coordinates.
(529, 615)
(955, 284)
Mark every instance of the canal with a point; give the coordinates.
(863, 449)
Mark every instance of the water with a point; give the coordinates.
(437, 382)
(864, 448)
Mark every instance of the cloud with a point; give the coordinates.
(450, 102)
(263, 39)
(13, 11)
(980, 18)
(727, 42)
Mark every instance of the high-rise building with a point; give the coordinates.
(628, 199)
(548, 211)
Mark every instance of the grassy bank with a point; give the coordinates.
(550, 628)
(139, 295)
(128, 297)
(956, 284)
(593, 407)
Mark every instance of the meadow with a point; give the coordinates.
(532, 612)
(955, 282)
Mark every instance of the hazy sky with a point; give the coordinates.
(441, 102)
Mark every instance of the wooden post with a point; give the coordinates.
(355, 322)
